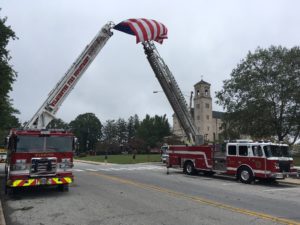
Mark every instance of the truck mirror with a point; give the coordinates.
(75, 144)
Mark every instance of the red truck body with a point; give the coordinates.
(39, 157)
(247, 161)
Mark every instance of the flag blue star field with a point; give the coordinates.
(144, 29)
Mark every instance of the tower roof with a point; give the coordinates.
(202, 82)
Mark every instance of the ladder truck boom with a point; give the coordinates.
(173, 93)
(47, 111)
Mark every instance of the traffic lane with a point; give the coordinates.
(271, 198)
(179, 208)
(109, 167)
(98, 198)
(278, 200)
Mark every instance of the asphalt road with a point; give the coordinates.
(144, 194)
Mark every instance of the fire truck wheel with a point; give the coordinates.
(245, 175)
(63, 187)
(189, 168)
(6, 189)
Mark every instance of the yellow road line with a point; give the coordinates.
(198, 199)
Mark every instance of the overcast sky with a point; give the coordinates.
(206, 38)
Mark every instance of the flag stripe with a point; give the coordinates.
(157, 30)
(147, 29)
(152, 29)
(143, 36)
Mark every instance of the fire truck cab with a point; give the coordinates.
(246, 160)
(39, 157)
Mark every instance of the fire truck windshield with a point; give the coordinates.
(44, 144)
(276, 151)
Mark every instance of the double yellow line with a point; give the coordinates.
(197, 199)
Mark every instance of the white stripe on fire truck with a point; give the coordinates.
(191, 153)
(255, 171)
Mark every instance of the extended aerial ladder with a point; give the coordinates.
(47, 111)
(173, 93)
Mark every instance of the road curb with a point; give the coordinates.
(290, 181)
(2, 219)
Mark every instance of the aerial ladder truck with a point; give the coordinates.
(43, 157)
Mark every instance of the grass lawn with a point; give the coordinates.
(296, 160)
(123, 159)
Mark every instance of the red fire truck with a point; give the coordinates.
(246, 160)
(39, 157)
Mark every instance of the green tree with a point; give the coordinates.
(110, 131)
(58, 124)
(7, 77)
(114, 139)
(87, 128)
(132, 126)
(153, 129)
(262, 97)
(122, 133)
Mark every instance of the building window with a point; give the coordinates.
(207, 128)
(198, 106)
(207, 105)
(207, 117)
(206, 92)
(198, 117)
(198, 92)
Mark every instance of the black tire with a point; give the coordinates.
(208, 173)
(6, 188)
(189, 168)
(63, 187)
(245, 175)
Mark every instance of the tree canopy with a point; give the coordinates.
(58, 124)
(262, 97)
(153, 129)
(7, 77)
(87, 128)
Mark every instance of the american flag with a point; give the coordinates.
(144, 29)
